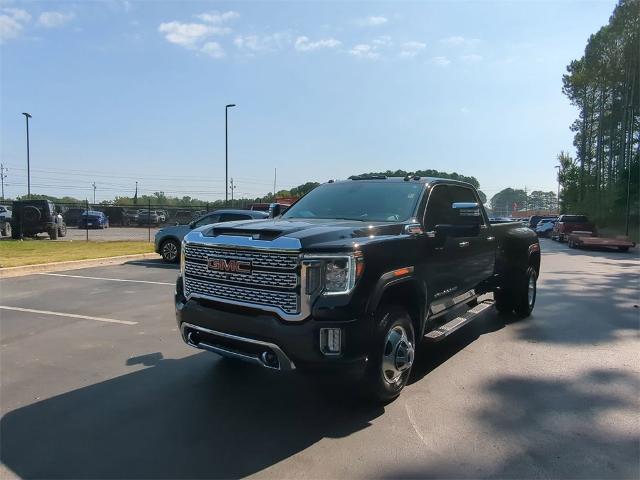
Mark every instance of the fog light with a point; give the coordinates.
(331, 341)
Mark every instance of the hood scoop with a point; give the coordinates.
(239, 232)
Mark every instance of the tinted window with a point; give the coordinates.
(208, 220)
(365, 200)
(438, 208)
(230, 217)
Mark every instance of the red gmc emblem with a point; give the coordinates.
(231, 266)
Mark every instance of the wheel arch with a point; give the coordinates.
(406, 292)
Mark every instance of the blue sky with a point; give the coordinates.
(123, 91)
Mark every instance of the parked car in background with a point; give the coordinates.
(182, 216)
(72, 216)
(545, 227)
(5, 227)
(131, 216)
(5, 212)
(148, 217)
(534, 220)
(93, 219)
(117, 216)
(31, 217)
(578, 239)
(571, 223)
(163, 215)
(169, 239)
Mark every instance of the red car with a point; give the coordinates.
(571, 223)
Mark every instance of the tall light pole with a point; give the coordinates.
(94, 192)
(226, 153)
(27, 117)
(558, 196)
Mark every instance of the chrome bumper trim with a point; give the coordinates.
(284, 362)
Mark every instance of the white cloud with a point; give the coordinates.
(18, 14)
(473, 58)
(12, 22)
(457, 41)
(189, 35)
(255, 43)
(382, 41)
(372, 21)
(411, 49)
(441, 61)
(364, 50)
(217, 17)
(54, 19)
(302, 44)
(213, 49)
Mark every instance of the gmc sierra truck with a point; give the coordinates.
(352, 276)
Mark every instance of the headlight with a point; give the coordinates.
(339, 272)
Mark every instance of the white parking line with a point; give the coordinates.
(71, 315)
(109, 279)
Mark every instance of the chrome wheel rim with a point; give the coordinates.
(397, 356)
(531, 289)
(170, 251)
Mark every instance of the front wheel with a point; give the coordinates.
(6, 230)
(391, 356)
(62, 231)
(170, 251)
(53, 233)
(525, 293)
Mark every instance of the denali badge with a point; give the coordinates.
(233, 266)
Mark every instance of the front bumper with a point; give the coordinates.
(250, 333)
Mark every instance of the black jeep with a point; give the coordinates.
(31, 217)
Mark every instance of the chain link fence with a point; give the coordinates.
(84, 221)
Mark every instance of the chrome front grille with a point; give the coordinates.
(256, 278)
(270, 260)
(273, 282)
(286, 301)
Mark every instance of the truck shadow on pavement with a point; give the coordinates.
(566, 427)
(195, 417)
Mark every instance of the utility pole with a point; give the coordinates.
(275, 176)
(226, 152)
(2, 177)
(94, 192)
(558, 196)
(27, 117)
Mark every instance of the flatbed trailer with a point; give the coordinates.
(585, 239)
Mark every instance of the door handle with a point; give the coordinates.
(463, 244)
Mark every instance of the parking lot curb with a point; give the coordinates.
(72, 264)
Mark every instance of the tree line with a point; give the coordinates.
(604, 84)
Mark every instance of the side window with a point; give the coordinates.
(230, 217)
(208, 220)
(438, 207)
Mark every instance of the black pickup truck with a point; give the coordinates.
(352, 276)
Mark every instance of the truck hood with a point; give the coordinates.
(310, 233)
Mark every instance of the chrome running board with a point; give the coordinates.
(458, 322)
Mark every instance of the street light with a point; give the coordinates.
(27, 117)
(226, 153)
(558, 197)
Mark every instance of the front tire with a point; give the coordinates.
(6, 230)
(53, 233)
(170, 251)
(525, 293)
(62, 231)
(391, 356)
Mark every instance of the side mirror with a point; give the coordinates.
(274, 210)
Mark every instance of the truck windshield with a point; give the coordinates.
(386, 201)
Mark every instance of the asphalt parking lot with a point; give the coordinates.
(96, 383)
(111, 233)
